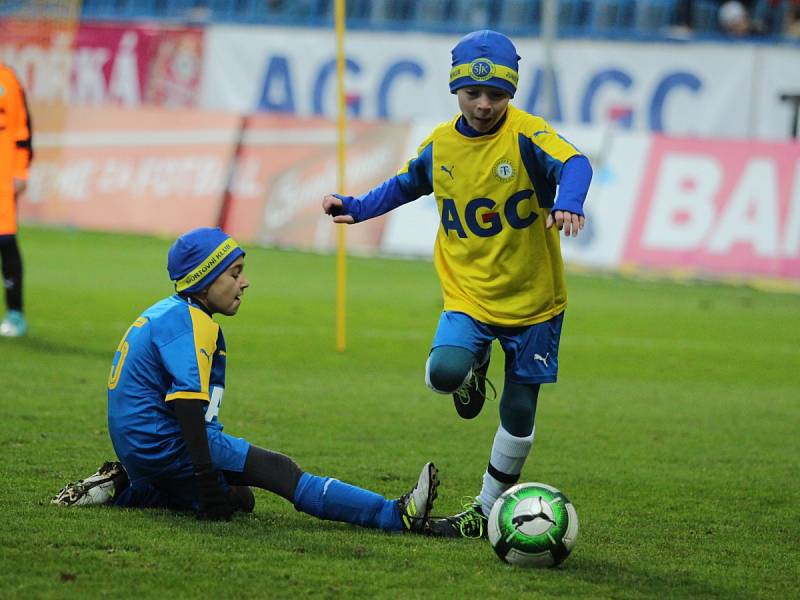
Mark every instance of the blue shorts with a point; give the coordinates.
(531, 351)
(167, 481)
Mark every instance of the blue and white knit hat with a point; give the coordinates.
(198, 257)
(485, 57)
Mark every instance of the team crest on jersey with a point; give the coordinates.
(503, 171)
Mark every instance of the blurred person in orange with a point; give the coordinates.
(16, 152)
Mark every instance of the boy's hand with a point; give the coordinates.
(333, 207)
(568, 222)
(214, 503)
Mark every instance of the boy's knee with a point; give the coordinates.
(448, 368)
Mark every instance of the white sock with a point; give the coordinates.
(505, 465)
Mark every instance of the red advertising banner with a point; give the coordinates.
(96, 63)
(718, 207)
(285, 166)
(145, 170)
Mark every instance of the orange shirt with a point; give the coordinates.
(15, 146)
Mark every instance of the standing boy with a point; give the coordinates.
(505, 184)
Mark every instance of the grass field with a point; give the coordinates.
(673, 429)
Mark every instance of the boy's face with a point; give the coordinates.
(482, 106)
(224, 295)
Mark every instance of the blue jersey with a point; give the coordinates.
(174, 350)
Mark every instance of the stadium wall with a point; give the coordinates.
(703, 89)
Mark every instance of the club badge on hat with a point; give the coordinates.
(485, 57)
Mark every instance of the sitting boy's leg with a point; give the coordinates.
(111, 485)
(102, 487)
(331, 499)
(268, 470)
(144, 494)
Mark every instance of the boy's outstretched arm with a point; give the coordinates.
(334, 207)
(412, 182)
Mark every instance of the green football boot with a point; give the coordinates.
(469, 398)
(471, 524)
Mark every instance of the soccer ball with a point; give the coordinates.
(533, 525)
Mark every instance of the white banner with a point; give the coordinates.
(618, 160)
(710, 90)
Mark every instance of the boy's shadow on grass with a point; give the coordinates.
(612, 576)
(57, 347)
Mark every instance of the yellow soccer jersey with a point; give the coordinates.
(495, 259)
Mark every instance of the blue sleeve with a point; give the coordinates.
(576, 175)
(179, 359)
(413, 181)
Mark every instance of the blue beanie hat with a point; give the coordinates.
(485, 58)
(198, 257)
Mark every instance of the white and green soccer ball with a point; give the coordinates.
(533, 525)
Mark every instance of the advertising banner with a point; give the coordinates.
(100, 64)
(618, 159)
(699, 89)
(145, 170)
(286, 165)
(718, 207)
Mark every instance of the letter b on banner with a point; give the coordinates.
(683, 202)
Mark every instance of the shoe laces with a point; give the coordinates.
(489, 386)
(462, 394)
(70, 493)
(471, 522)
(464, 391)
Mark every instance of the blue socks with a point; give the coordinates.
(330, 499)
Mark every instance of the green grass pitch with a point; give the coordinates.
(673, 429)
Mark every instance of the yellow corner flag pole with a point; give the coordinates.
(341, 255)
